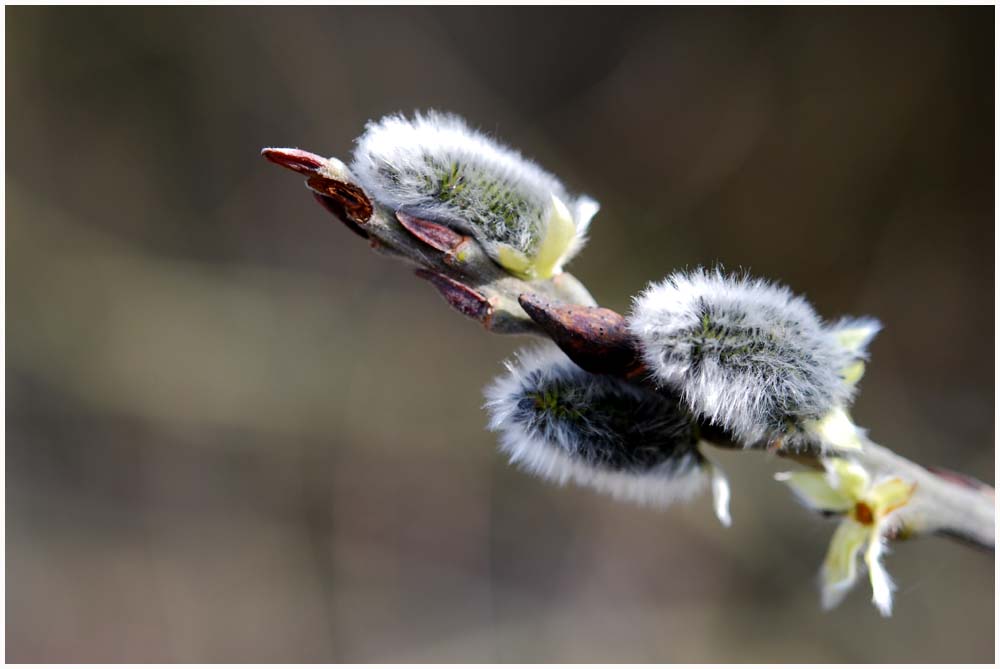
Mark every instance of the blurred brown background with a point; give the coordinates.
(235, 434)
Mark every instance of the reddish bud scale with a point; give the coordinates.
(336, 207)
(296, 160)
(350, 203)
(434, 235)
(461, 297)
(595, 338)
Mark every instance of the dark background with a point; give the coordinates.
(234, 434)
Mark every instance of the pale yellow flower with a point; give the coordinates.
(867, 507)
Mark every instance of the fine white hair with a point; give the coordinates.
(745, 354)
(437, 167)
(564, 424)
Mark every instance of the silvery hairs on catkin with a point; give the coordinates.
(436, 167)
(565, 424)
(748, 355)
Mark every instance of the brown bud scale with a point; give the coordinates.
(595, 338)
(461, 297)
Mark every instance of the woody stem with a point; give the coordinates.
(598, 339)
(943, 503)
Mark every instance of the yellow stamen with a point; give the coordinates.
(863, 514)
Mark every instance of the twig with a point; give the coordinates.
(597, 339)
(454, 264)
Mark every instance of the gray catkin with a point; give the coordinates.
(436, 167)
(745, 354)
(564, 424)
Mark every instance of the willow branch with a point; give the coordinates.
(455, 264)
(597, 339)
(943, 503)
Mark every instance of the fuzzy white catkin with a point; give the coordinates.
(748, 355)
(564, 424)
(436, 167)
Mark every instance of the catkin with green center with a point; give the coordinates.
(565, 424)
(436, 167)
(752, 358)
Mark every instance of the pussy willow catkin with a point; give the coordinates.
(564, 424)
(751, 357)
(435, 166)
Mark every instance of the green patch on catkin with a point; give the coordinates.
(549, 402)
(568, 403)
(510, 213)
